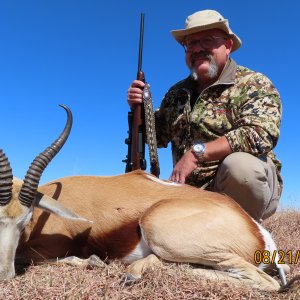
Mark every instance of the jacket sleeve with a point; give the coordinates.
(162, 123)
(258, 117)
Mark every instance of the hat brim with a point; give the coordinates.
(180, 34)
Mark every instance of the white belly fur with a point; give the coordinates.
(141, 250)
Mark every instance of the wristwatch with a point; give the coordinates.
(199, 150)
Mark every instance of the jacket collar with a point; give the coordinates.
(228, 74)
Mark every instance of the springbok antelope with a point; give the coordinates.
(134, 217)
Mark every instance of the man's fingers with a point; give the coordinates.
(137, 84)
(177, 177)
(181, 179)
(173, 177)
(134, 90)
(133, 96)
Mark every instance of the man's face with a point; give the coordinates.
(207, 53)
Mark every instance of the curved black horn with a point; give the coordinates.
(39, 164)
(6, 179)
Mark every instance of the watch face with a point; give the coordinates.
(198, 147)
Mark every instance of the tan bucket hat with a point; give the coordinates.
(204, 20)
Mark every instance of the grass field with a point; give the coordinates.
(171, 281)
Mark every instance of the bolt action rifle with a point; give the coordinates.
(135, 158)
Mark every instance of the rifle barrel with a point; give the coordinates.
(140, 58)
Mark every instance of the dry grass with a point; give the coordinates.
(168, 282)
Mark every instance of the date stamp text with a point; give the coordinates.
(281, 256)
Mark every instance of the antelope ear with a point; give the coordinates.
(53, 206)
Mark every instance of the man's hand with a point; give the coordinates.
(135, 93)
(184, 167)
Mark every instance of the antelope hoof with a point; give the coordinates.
(95, 262)
(130, 279)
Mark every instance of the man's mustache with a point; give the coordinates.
(201, 55)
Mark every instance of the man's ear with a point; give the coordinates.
(228, 45)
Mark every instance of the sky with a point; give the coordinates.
(84, 53)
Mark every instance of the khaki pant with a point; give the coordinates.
(250, 181)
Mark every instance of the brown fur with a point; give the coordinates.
(199, 230)
(179, 223)
(14, 207)
(115, 205)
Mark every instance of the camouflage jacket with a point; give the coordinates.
(242, 105)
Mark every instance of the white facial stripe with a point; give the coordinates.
(10, 230)
(9, 239)
(163, 182)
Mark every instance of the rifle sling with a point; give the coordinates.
(150, 130)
